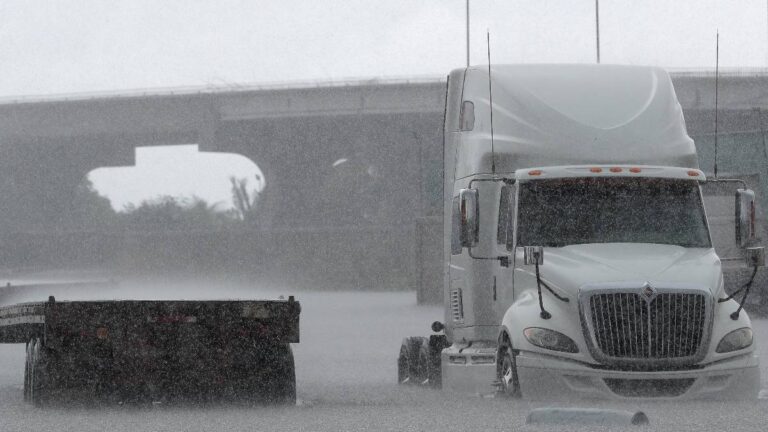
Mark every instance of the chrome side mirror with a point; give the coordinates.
(533, 255)
(745, 217)
(469, 212)
(755, 256)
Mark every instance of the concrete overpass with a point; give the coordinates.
(321, 218)
(325, 220)
(294, 134)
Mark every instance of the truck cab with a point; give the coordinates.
(578, 259)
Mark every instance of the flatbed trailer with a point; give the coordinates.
(153, 349)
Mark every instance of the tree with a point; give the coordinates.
(244, 199)
(89, 210)
(167, 213)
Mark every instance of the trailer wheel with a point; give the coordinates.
(408, 360)
(506, 372)
(39, 387)
(267, 375)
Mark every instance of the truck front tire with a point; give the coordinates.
(507, 379)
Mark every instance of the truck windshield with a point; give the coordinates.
(563, 212)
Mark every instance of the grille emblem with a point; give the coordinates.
(648, 291)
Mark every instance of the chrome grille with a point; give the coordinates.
(626, 325)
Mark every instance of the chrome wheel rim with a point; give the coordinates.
(506, 371)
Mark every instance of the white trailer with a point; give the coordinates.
(578, 259)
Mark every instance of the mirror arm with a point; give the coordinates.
(505, 180)
(557, 296)
(502, 259)
(727, 180)
(544, 314)
(735, 293)
(746, 287)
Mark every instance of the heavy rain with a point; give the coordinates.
(429, 215)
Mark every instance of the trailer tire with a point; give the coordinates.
(267, 376)
(506, 371)
(408, 361)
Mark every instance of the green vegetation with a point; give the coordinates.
(90, 211)
(244, 199)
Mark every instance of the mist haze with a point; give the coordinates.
(196, 168)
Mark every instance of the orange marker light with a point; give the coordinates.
(615, 169)
(693, 173)
(635, 170)
(534, 172)
(102, 333)
(596, 170)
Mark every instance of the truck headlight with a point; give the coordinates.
(735, 340)
(550, 339)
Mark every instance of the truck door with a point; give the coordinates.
(503, 276)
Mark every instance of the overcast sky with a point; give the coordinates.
(49, 46)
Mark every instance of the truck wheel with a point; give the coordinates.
(435, 346)
(506, 372)
(429, 364)
(424, 364)
(39, 384)
(408, 360)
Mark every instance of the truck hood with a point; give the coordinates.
(571, 267)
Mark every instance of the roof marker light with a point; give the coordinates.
(534, 172)
(596, 170)
(615, 169)
(693, 173)
(635, 170)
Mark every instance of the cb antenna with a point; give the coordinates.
(490, 100)
(467, 33)
(717, 75)
(597, 29)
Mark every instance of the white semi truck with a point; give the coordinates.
(578, 259)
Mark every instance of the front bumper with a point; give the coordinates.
(551, 378)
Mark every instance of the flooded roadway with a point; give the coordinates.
(346, 379)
